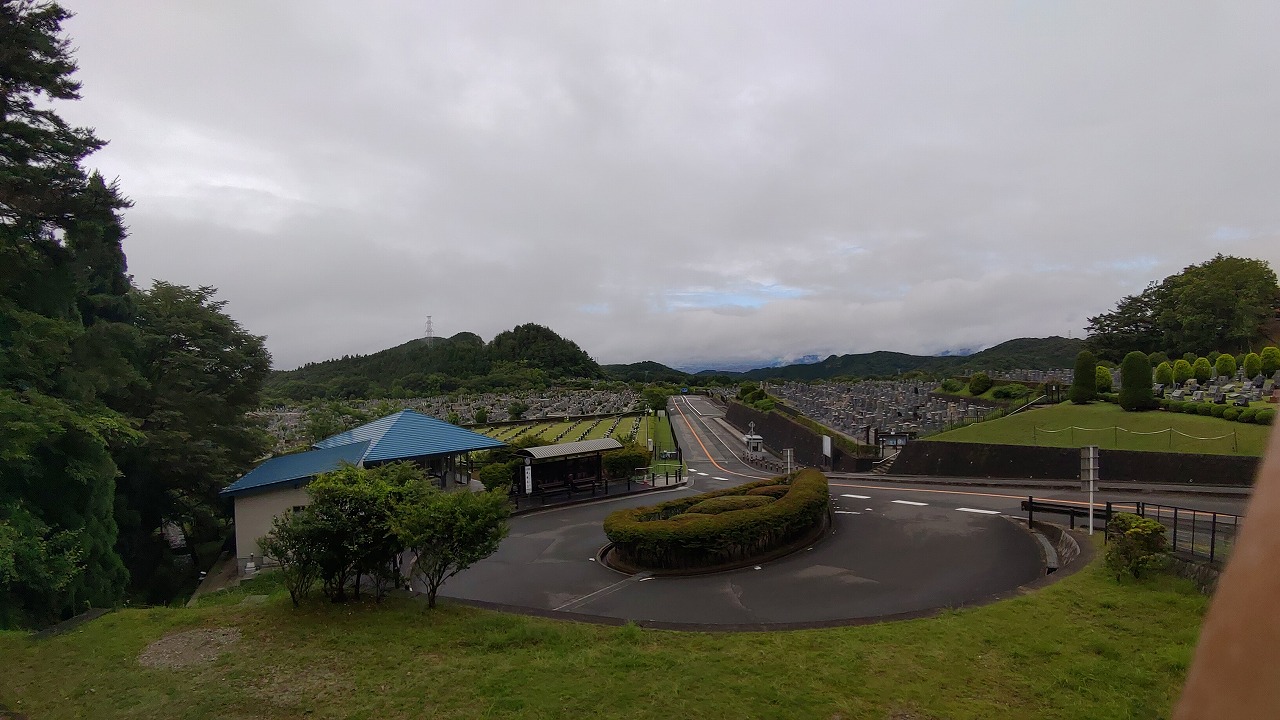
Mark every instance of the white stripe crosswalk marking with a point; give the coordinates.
(976, 510)
(909, 502)
(859, 497)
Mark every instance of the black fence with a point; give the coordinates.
(1202, 534)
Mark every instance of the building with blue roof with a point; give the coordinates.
(278, 485)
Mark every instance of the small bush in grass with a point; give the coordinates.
(952, 385)
(1134, 544)
(1248, 415)
(1265, 416)
(1011, 391)
(1102, 379)
(979, 383)
(1231, 413)
(1205, 409)
(729, 503)
(1218, 410)
(1164, 373)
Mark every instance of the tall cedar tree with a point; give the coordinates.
(63, 297)
(1135, 382)
(1084, 382)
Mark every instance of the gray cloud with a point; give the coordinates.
(682, 182)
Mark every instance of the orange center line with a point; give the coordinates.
(955, 492)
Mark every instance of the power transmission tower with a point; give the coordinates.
(431, 333)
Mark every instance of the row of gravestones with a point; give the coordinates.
(1222, 391)
(886, 406)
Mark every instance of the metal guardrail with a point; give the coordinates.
(1204, 534)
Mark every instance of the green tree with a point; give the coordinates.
(63, 334)
(1201, 370)
(979, 383)
(293, 544)
(1135, 382)
(1270, 357)
(200, 375)
(1134, 544)
(517, 409)
(655, 397)
(1225, 366)
(1182, 371)
(448, 532)
(1164, 373)
(481, 416)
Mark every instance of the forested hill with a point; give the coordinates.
(526, 356)
(1022, 353)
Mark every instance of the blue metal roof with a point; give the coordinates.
(289, 468)
(404, 435)
(408, 434)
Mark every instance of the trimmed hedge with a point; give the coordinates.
(1265, 416)
(667, 537)
(729, 503)
(774, 491)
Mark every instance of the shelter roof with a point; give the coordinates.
(289, 468)
(582, 447)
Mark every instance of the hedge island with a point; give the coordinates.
(721, 529)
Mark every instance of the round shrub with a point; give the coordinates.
(1231, 413)
(1164, 373)
(1270, 357)
(1265, 416)
(1135, 383)
(1102, 379)
(653, 537)
(1201, 370)
(774, 491)
(1204, 409)
(1011, 391)
(1225, 365)
(1190, 408)
(1248, 414)
(951, 385)
(1218, 410)
(1252, 365)
(1134, 544)
(1181, 371)
(729, 503)
(979, 383)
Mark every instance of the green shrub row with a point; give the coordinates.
(666, 536)
(1261, 416)
(729, 503)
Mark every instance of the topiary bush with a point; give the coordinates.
(1135, 383)
(1084, 382)
(1134, 544)
(1201, 370)
(668, 537)
(979, 383)
(1231, 413)
(1270, 357)
(1225, 365)
(775, 491)
(1218, 410)
(1205, 409)
(1265, 416)
(1252, 365)
(1164, 373)
(729, 503)
(1102, 379)
(1247, 415)
(1011, 391)
(951, 385)
(1181, 371)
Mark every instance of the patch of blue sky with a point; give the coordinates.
(1231, 233)
(753, 298)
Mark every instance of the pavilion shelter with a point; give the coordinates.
(568, 467)
(278, 485)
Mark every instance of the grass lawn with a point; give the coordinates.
(1032, 427)
(1085, 647)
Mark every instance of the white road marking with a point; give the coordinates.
(720, 478)
(868, 509)
(909, 502)
(976, 510)
(860, 497)
(848, 512)
(702, 474)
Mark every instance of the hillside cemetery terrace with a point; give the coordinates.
(877, 407)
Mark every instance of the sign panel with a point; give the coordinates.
(826, 446)
(528, 479)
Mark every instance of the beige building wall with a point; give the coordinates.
(254, 513)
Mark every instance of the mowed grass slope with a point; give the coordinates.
(1086, 647)
(1041, 426)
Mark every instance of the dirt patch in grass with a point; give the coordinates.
(192, 647)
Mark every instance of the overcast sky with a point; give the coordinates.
(682, 182)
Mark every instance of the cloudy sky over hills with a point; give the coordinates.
(682, 182)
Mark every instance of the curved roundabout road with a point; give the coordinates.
(890, 552)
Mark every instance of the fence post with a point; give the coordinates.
(1213, 535)
(1106, 523)
(1175, 529)
(1031, 504)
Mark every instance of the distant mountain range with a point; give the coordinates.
(532, 356)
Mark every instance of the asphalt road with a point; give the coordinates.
(893, 549)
